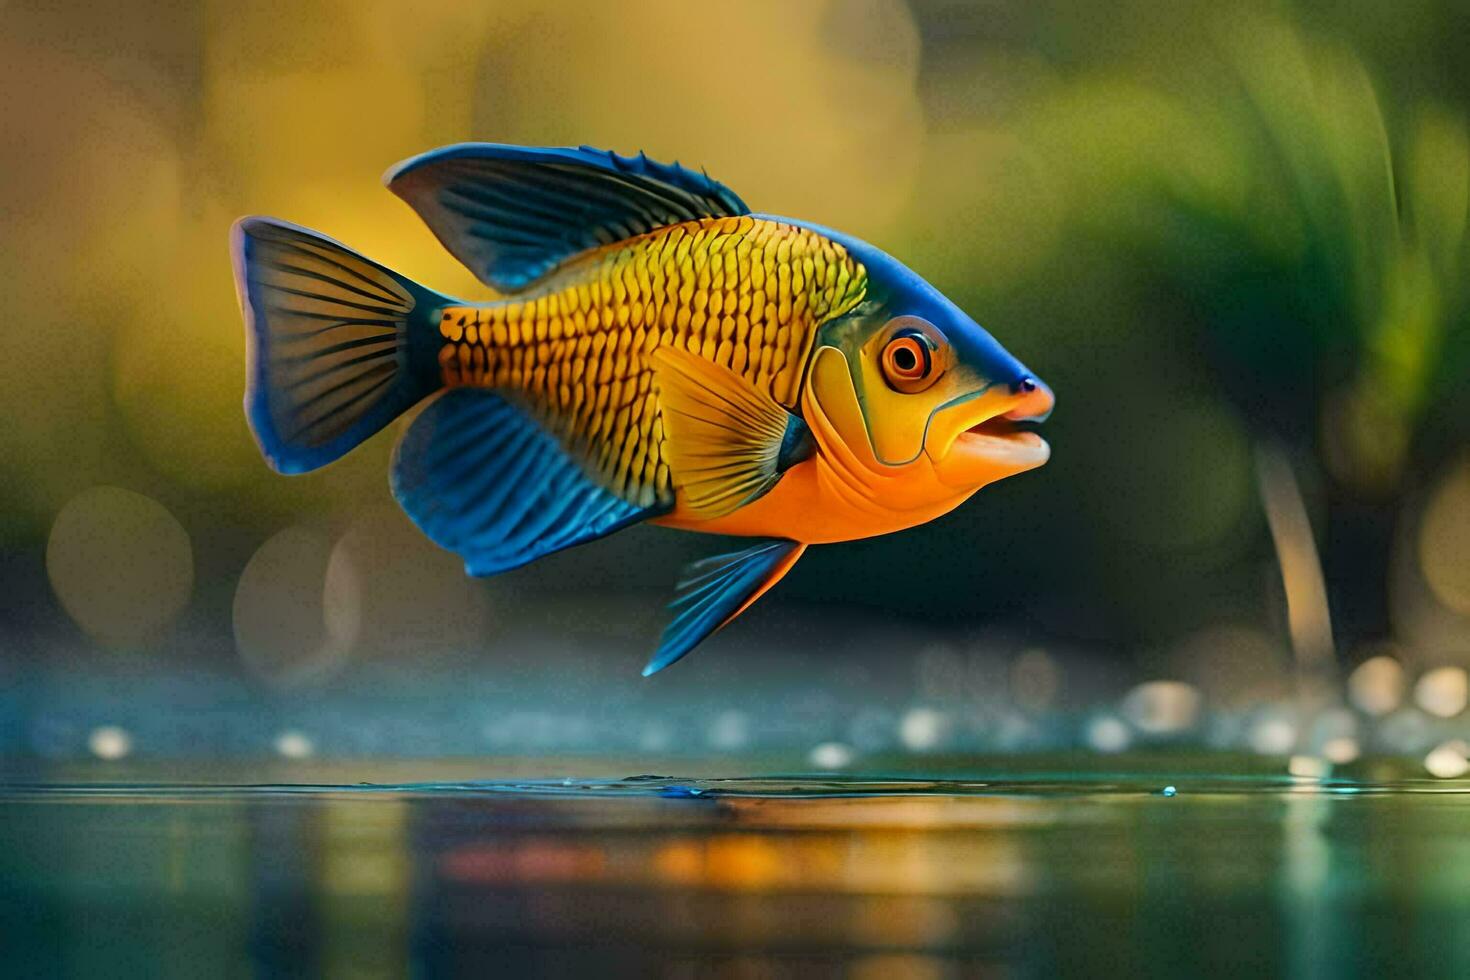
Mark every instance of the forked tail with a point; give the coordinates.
(339, 345)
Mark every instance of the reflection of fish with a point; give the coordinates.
(661, 355)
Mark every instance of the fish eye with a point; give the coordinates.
(908, 361)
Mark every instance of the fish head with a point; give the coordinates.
(931, 386)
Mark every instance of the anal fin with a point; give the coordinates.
(483, 479)
(715, 590)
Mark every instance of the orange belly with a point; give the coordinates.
(812, 505)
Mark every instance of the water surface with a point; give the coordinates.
(1135, 872)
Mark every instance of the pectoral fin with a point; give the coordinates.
(715, 590)
(727, 442)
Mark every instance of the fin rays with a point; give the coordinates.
(328, 334)
(725, 436)
(483, 479)
(512, 214)
(715, 590)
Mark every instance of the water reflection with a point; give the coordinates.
(1039, 878)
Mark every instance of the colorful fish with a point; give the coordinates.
(660, 354)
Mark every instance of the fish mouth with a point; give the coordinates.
(1004, 436)
(990, 449)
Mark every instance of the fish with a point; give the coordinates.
(655, 353)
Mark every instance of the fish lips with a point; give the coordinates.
(988, 438)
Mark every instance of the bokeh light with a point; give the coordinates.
(922, 729)
(292, 744)
(408, 593)
(1162, 707)
(291, 625)
(1448, 760)
(121, 565)
(1444, 540)
(1443, 691)
(109, 742)
(830, 756)
(1376, 686)
(1273, 734)
(729, 731)
(1341, 750)
(1108, 733)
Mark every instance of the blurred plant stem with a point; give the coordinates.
(1308, 615)
(1314, 237)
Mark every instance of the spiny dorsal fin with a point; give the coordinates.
(725, 436)
(514, 213)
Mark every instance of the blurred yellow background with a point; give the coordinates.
(1217, 233)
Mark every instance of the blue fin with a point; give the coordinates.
(715, 590)
(514, 213)
(339, 345)
(483, 479)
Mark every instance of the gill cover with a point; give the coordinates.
(855, 477)
(922, 372)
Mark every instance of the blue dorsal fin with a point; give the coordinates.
(715, 590)
(484, 480)
(514, 213)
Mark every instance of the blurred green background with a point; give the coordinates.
(1232, 239)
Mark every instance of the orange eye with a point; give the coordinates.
(908, 363)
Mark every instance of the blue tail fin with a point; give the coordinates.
(339, 346)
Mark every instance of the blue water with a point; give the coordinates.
(1004, 873)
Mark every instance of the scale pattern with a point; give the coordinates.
(744, 292)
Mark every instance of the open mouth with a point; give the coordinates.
(1006, 435)
(992, 450)
(995, 445)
